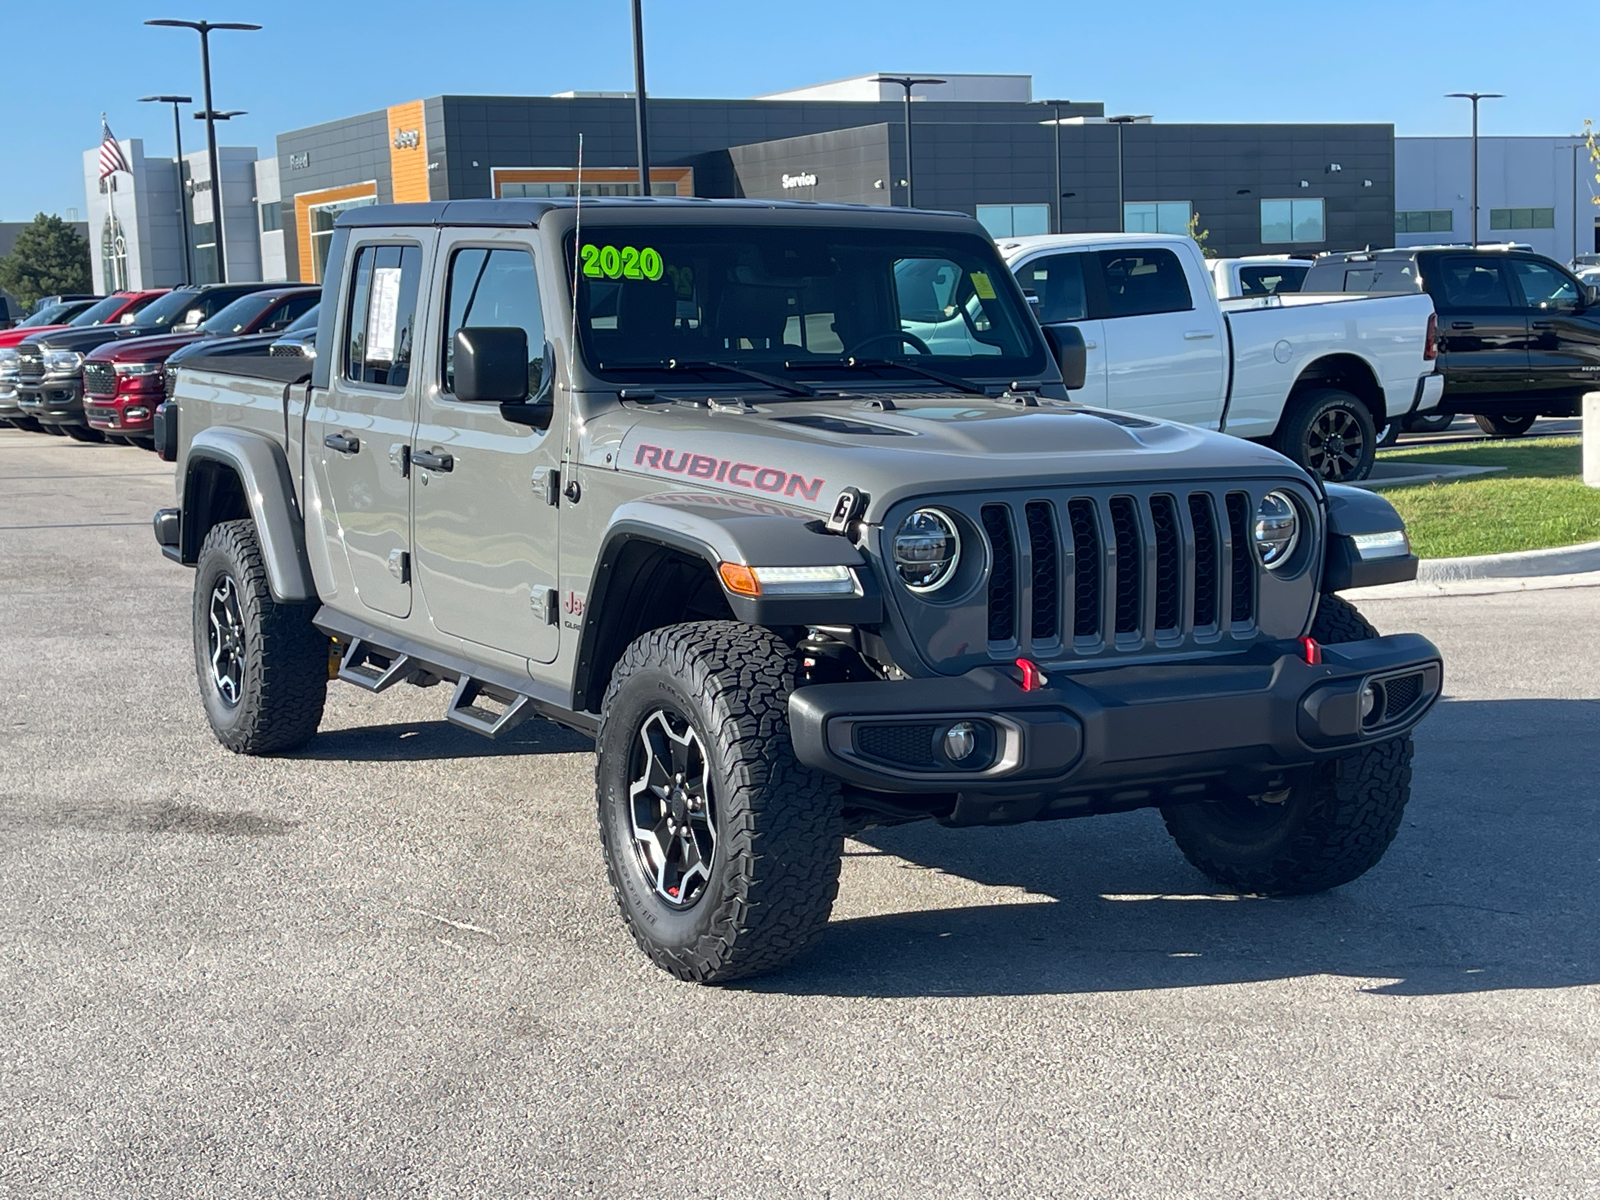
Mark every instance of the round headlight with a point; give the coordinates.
(1277, 529)
(926, 550)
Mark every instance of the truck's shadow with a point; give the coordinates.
(1493, 883)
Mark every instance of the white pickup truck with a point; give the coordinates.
(1314, 376)
(1258, 275)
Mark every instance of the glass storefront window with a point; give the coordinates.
(1157, 216)
(322, 218)
(1014, 220)
(1292, 221)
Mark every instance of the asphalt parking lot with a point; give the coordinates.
(389, 966)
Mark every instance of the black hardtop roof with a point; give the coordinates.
(527, 213)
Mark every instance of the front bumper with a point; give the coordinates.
(53, 401)
(1124, 737)
(125, 412)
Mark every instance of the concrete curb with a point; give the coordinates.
(1558, 560)
(1477, 587)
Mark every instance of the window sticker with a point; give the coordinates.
(981, 285)
(383, 312)
(621, 262)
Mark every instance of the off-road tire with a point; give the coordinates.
(284, 677)
(1335, 824)
(82, 433)
(775, 870)
(1301, 434)
(1506, 427)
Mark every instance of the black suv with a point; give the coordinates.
(1519, 335)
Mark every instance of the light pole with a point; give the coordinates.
(204, 28)
(641, 125)
(1475, 97)
(177, 138)
(1119, 122)
(908, 82)
(1056, 207)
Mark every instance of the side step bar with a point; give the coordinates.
(375, 660)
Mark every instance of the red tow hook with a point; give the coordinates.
(1311, 651)
(1032, 678)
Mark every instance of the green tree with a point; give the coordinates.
(1200, 235)
(50, 258)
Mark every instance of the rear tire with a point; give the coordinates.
(1330, 433)
(722, 849)
(1506, 427)
(1333, 826)
(262, 666)
(1427, 422)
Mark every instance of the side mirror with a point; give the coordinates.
(1066, 343)
(1592, 292)
(491, 365)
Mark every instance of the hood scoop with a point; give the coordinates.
(832, 424)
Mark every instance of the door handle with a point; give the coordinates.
(430, 461)
(1460, 324)
(1544, 324)
(343, 443)
(1091, 345)
(1198, 335)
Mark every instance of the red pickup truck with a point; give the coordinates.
(77, 311)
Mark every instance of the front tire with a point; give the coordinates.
(722, 849)
(82, 433)
(1332, 826)
(1506, 427)
(262, 666)
(1330, 433)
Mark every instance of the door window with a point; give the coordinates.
(494, 289)
(1139, 282)
(1269, 281)
(1544, 287)
(382, 315)
(1057, 283)
(1475, 283)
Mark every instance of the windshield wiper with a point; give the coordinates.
(955, 381)
(773, 381)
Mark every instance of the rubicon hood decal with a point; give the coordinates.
(756, 476)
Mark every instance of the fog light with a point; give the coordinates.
(137, 414)
(960, 740)
(1369, 701)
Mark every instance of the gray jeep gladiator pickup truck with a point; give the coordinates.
(788, 505)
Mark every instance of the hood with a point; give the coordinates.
(85, 338)
(154, 348)
(10, 337)
(224, 347)
(805, 453)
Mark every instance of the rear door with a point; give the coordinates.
(485, 510)
(1166, 350)
(1482, 323)
(360, 430)
(1054, 284)
(1563, 333)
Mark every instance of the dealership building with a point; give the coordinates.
(979, 144)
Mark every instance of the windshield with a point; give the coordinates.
(100, 311)
(170, 308)
(790, 301)
(306, 320)
(241, 314)
(53, 315)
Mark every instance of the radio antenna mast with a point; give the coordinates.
(577, 257)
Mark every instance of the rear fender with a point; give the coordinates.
(260, 470)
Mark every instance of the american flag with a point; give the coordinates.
(111, 160)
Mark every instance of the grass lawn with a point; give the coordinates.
(1539, 500)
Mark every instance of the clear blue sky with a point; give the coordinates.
(1353, 60)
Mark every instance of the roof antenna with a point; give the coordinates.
(577, 257)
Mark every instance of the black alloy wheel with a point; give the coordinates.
(1330, 433)
(673, 810)
(225, 641)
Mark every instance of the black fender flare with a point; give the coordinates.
(1352, 511)
(262, 470)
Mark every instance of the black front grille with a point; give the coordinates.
(1002, 575)
(902, 745)
(1086, 569)
(100, 378)
(1131, 570)
(1244, 558)
(1046, 571)
(1125, 527)
(1169, 562)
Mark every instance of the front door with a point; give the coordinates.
(1054, 285)
(484, 509)
(368, 411)
(1563, 334)
(1166, 357)
(1485, 330)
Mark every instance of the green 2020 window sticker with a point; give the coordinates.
(621, 262)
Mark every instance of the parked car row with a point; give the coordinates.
(93, 369)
